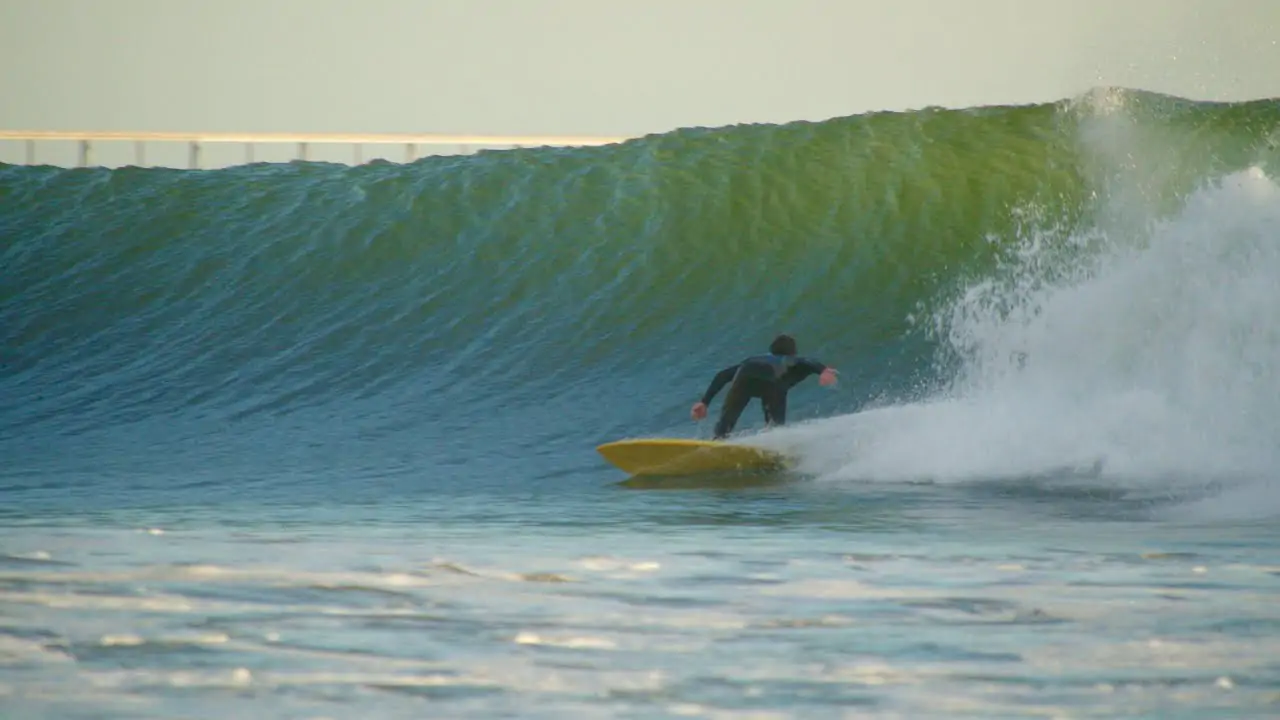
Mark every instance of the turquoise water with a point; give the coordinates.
(307, 440)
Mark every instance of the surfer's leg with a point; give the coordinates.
(775, 405)
(734, 401)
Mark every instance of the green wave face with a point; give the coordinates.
(927, 254)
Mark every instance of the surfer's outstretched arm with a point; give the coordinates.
(721, 379)
(811, 366)
(804, 367)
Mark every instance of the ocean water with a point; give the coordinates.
(306, 440)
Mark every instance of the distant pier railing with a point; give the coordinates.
(196, 142)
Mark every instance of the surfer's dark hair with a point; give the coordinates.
(783, 345)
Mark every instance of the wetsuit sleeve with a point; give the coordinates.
(803, 368)
(812, 367)
(721, 379)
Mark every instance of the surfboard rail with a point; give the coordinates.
(683, 456)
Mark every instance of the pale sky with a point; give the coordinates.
(599, 67)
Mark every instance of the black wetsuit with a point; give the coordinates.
(767, 377)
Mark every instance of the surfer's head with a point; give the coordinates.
(783, 345)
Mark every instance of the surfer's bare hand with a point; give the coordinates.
(828, 377)
(699, 411)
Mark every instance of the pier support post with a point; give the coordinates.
(82, 143)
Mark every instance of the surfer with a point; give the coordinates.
(767, 377)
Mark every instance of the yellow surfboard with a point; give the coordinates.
(676, 456)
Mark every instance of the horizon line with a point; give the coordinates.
(310, 137)
(303, 140)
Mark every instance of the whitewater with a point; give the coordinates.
(307, 440)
